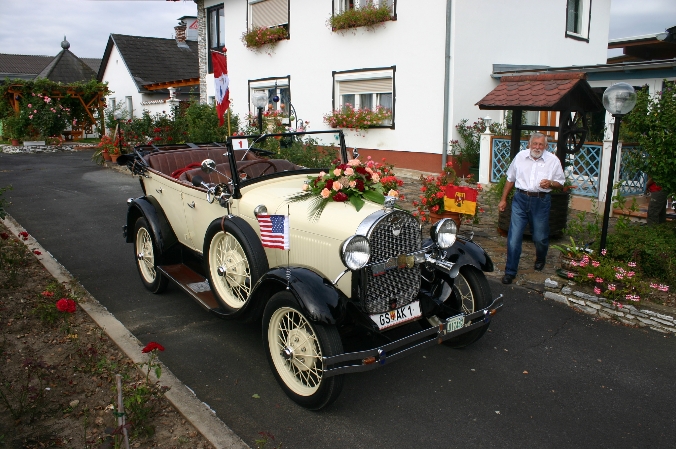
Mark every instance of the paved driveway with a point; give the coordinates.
(543, 376)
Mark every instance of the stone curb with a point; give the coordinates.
(198, 413)
(603, 308)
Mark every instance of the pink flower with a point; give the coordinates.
(573, 263)
(47, 294)
(337, 172)
(663, 288)
(570, 275)
(352, 184)
(322, 173)
(603, 252)
(337, 186)
(630, 274)
(349, 171)
(375, 177)
(325, 193)
(611, 287)
(631, 264)
(30, 117)
(597, 290)
(599, 280)
(30, 105)
(590, 275)
(619, 276)
(595, 264)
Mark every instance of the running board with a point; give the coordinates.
(193, 284)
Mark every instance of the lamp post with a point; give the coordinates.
(260, 100)
(118, 117)
(488, 120)
(619, 99)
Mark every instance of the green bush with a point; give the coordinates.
(652, 247)
(368, 15)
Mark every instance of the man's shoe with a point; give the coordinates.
(507, 279)
(539, 265)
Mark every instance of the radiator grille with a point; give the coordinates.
(400, 284)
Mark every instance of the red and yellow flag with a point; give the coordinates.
(460, 199)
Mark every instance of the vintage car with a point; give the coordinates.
(365, 280)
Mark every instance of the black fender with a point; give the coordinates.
(319, 299)
(465, 252)
(150, 209)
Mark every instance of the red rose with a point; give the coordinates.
(65, 305)
(360, 185)
(36, 252)
(152, 346)
(23, 235)
(340, 197)
(440, 194)
(329, 184)
(361, 170)
(4, 236)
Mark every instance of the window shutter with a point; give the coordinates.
(376, 86)
(270, 13)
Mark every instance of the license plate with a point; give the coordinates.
(397, 316)
(453, 324)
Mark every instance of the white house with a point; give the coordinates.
(144, 72)
(431, 63)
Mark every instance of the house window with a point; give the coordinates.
(216, 31)
(275, 89)
(365, 89)
(578, 19)
(268, 13)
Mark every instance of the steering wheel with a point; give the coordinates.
(269, 164)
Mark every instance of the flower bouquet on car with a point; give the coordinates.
(353, 182)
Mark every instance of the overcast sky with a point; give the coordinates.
(37, 27)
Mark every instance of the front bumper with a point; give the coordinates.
(374, 358)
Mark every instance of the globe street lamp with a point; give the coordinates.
(260, 100)
(619, 99)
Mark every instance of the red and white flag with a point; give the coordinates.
(221, 83)
(274, 230)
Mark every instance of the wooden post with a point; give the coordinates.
(516, 133)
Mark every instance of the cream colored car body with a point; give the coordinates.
(313, 244)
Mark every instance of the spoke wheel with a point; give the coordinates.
(230, 270)
(295, 348)
(235, 260)
(147, 257)
(470, 292)
(573, 130)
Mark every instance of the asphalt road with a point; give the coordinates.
(543, 376)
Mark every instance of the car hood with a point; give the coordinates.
(337, 222)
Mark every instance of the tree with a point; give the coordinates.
(653, 123)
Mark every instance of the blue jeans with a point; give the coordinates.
(532, 211)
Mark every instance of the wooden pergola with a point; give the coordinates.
(92, 103)
(568, 93)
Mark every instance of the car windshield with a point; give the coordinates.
(269, 154)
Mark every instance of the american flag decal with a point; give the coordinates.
(274, 231)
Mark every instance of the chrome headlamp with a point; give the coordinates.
(355, 252)
(444, 232)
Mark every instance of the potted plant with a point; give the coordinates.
(358, 119)
(368, 15)
(106, 150)
(15, 128)
(259, 36)
(434, 202)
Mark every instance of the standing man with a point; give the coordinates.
(534, 172)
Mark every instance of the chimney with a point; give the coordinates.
(180, 34)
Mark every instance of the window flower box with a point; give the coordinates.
(360, 119)
(368, 16)
(259, 36)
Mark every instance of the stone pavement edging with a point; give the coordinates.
(603, 308)
(198, 413)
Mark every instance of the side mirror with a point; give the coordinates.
(208, 165)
